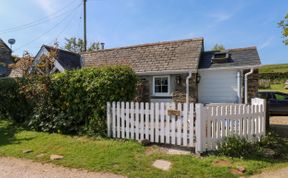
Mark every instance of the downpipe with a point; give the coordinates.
(187, 86)
(246, 84)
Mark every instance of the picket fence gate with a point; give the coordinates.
(190, 125)
(155, 122)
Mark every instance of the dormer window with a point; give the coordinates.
(220, 57)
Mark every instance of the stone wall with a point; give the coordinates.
(252, 84)
(143, 91)
(179, 94)
(177, 84)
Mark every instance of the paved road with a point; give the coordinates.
(16, 168)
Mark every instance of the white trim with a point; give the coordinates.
(230, 68)
(59, 66)
(153, 86)
(166, 72)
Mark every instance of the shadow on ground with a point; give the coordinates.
(8, 130)
(281, 130)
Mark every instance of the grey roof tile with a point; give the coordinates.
(238, 57)
(152, 57)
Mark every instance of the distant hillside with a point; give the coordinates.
(275, 68)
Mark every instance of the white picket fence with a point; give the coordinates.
(176, 124)
(152, 121)
(214, 123)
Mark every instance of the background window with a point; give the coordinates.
(161, 85)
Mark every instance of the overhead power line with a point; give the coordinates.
(53, 27)
(40, 21)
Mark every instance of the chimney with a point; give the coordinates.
(102, 46)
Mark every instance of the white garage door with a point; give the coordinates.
(218, 87)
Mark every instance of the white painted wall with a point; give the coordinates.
(219, 86)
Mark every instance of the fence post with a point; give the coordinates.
(200, 129)
(266, 116)
(108, 119)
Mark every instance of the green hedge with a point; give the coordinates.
(74, 102)
(13, 104)
(274, 76)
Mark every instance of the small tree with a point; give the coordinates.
(76, 45)
(218, 47)
(284, 26)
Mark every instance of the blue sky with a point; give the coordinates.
(237, 23)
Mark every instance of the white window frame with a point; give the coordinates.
(161, 94)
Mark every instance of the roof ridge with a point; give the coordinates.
(149, 44)
(233, 49)
(63, 50)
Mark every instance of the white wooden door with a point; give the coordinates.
(218, 87)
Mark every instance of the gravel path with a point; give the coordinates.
(280, 173)
(279, 120)
(16, 168)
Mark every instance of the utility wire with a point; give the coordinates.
(39, 21)
(43, 34)
(66, 26)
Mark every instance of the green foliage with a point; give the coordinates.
(218, 47)
(73, 102)
(236, 146)
(127, 158)
(76, 100)
(241, 147)
(12, 103)
(284, 26)
(264, 84)
(76, 45)
(275, 68)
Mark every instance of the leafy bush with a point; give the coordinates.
(274, 76)
(12, 102)
(75, 102)
(264, 84)
(236, 146)
(271, 146)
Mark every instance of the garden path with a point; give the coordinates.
(14, 168)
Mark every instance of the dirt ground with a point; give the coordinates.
(279, 120)
(16, 168)
(280, 173)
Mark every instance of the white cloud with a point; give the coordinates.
(48, 6)
(266, 43)
(221, 17)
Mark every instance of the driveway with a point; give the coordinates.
(279, 124)
(15, 168)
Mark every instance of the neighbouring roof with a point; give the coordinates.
(153, 57)
(4, 45)
(239, 57)
(67, 59)
(5, 59)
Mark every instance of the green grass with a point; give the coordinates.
(275, 68)
(276, 87)
(117, 156)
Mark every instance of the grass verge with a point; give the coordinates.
(116, 156)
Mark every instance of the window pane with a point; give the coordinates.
(157, 81)
(165, 81)
(164, 89)
(158, 89)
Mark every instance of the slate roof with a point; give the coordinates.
(67, 59)
(153, 57)
(239, 57)
(4, 45)
(5, 59)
